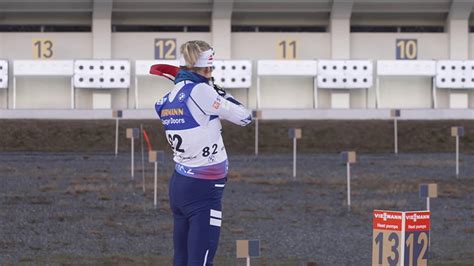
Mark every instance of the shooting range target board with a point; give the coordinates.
(457, 131)
(231, 74)
(248, 249)
(348, 157)
(394, 113)
(400, 238)
(3, 74)
(117, 114)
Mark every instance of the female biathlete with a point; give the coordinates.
(191, 115)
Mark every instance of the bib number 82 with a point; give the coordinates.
(175, 142)
(207, 151)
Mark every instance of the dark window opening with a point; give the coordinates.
(67, 28)
(45, 28)
(154, 28)
(433, 29)
(374, 29)
(429, 29)
(242, 28)
(20, 28)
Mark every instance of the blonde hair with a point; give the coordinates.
(191, 51)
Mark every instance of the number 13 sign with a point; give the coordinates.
(390, 227)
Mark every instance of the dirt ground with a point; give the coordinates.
(372, 136)
(84, 209)
(65, 198)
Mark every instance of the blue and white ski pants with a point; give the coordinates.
(197, 213)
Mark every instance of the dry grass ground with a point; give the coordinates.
(84, 209)
(319, 136)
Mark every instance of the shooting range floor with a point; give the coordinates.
(82, 208)
(319, 136)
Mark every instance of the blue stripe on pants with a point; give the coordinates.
(195, 232)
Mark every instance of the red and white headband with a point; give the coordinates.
(206, 59)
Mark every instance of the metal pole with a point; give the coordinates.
(435, 97)
(377, 97)
(429, 232)
(248, 261)
(402, 246)
(457, 156)
(294, 158)
(156, 183)
(128, 97)
(258, 93)
(132, 162)
(14, 93)
(72, 94)
(348, 186)
(315, 92)
(8, 95)
(136, 92)
(395, 134)
(116, 135)
(143, 157)
(256, 136)
(248, 97)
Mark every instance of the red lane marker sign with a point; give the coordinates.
(387, 232)
(387, 220)
(417, 233)
(400, 238)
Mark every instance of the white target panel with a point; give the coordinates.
(43, 67)
(3, 74)
(469, 74)
(406, 68)
(116, 67)
(105, 74)
(458, 100)
(345, 74)
(359, 82)
(87, 73)
(332, 81)
(455, 74)
(233, 73)
(287, 68)
(331, 67)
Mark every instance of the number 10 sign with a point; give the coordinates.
(390, 227)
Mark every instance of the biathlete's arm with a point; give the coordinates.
(211, 103)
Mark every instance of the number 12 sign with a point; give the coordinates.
(390, 228)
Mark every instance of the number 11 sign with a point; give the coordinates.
(389, 227)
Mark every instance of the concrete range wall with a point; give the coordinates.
(276, 92)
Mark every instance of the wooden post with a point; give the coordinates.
(132, 159)
(294, 158)
(117, 115)
(457, 132)
(155, 184)
(348, 186)
(155, 157)
(395, 114)
(457, 156)
(348, 157)
(257, 115)
(428, 191)
(295, 134)
(132, 134)
(143, 157)
(116, 136)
